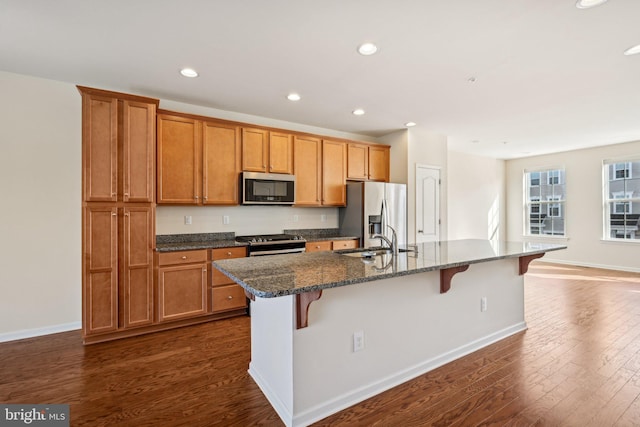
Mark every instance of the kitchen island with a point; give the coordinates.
(331, 329)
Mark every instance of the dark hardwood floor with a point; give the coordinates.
(578, 364)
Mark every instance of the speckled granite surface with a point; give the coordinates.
(185, 242)
(317, 234)
(279, 275)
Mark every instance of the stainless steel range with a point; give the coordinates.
(273, 244)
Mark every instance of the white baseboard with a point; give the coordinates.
(279, 406)
(591, 265)
(30, 333)
(358, 395)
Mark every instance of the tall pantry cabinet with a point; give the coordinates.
(118, 203)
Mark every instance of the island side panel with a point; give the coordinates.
(271, 366)
(409, 328)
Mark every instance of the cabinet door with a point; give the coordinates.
(139, 151)
(179, 175)
(136, 284)
(100, 269)
(379, 163)
(255, 143)
(182, 291)
(358, 161)
(280, 152)
(99, 148)
(220, 164)
(334, 173)
(307, 160)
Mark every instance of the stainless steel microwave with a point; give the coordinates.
(268, 188)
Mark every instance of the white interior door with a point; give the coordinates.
(427, 204)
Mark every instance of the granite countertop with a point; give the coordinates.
(186, 242)
(280, 275)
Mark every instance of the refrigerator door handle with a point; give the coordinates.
(385, 219)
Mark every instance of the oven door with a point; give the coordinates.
(276, 249)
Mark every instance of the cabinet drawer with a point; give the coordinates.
(228, 297)
(344, 244)
(182, 257)
(324, 245)
(226, 253)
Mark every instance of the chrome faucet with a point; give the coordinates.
(392, 244)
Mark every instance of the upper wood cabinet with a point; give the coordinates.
(266, 151)
(379, 163)
(307, 155)
(368, 162)
(255, 147)
(198, 161)
(280, 152)
(334, 173)
(220, 164)
(179, 151)
(118, 137)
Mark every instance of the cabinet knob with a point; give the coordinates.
(229, 297)
(113, 214)
(318, 247)
(228, 253)
(126, 194)
(196, 197)
(113, 194)
(184, 257)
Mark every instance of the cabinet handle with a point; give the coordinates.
(184, 257)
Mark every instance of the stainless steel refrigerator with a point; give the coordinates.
(374, 207)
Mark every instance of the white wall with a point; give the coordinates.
(243, 220)
(40, 219)
(583, 208)
(476, 197)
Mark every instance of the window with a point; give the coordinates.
(621, 200)
(553, 177)
(545, 202)
(554, 209)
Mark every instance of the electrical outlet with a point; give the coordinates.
(295, 218)
(187, 220)
(483, 304)
(323, 218)
(225, 219)
(358, 341)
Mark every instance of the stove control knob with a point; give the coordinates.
(253, 240)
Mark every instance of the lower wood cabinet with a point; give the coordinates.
(182, 285)
(225, 293)
(331, 245)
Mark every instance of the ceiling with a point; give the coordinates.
(548, 76)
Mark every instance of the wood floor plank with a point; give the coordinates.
(577, 364)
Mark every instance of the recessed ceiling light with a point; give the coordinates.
(358, 112)
(633, 50)
(293, 97)
(367, 49)
(189, 72)
(410, 124)
(471, 79)
(475, 141)
(586, 4)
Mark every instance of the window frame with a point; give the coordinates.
(539, 178)
(619, 202)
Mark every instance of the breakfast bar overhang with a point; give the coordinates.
(409, 314)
